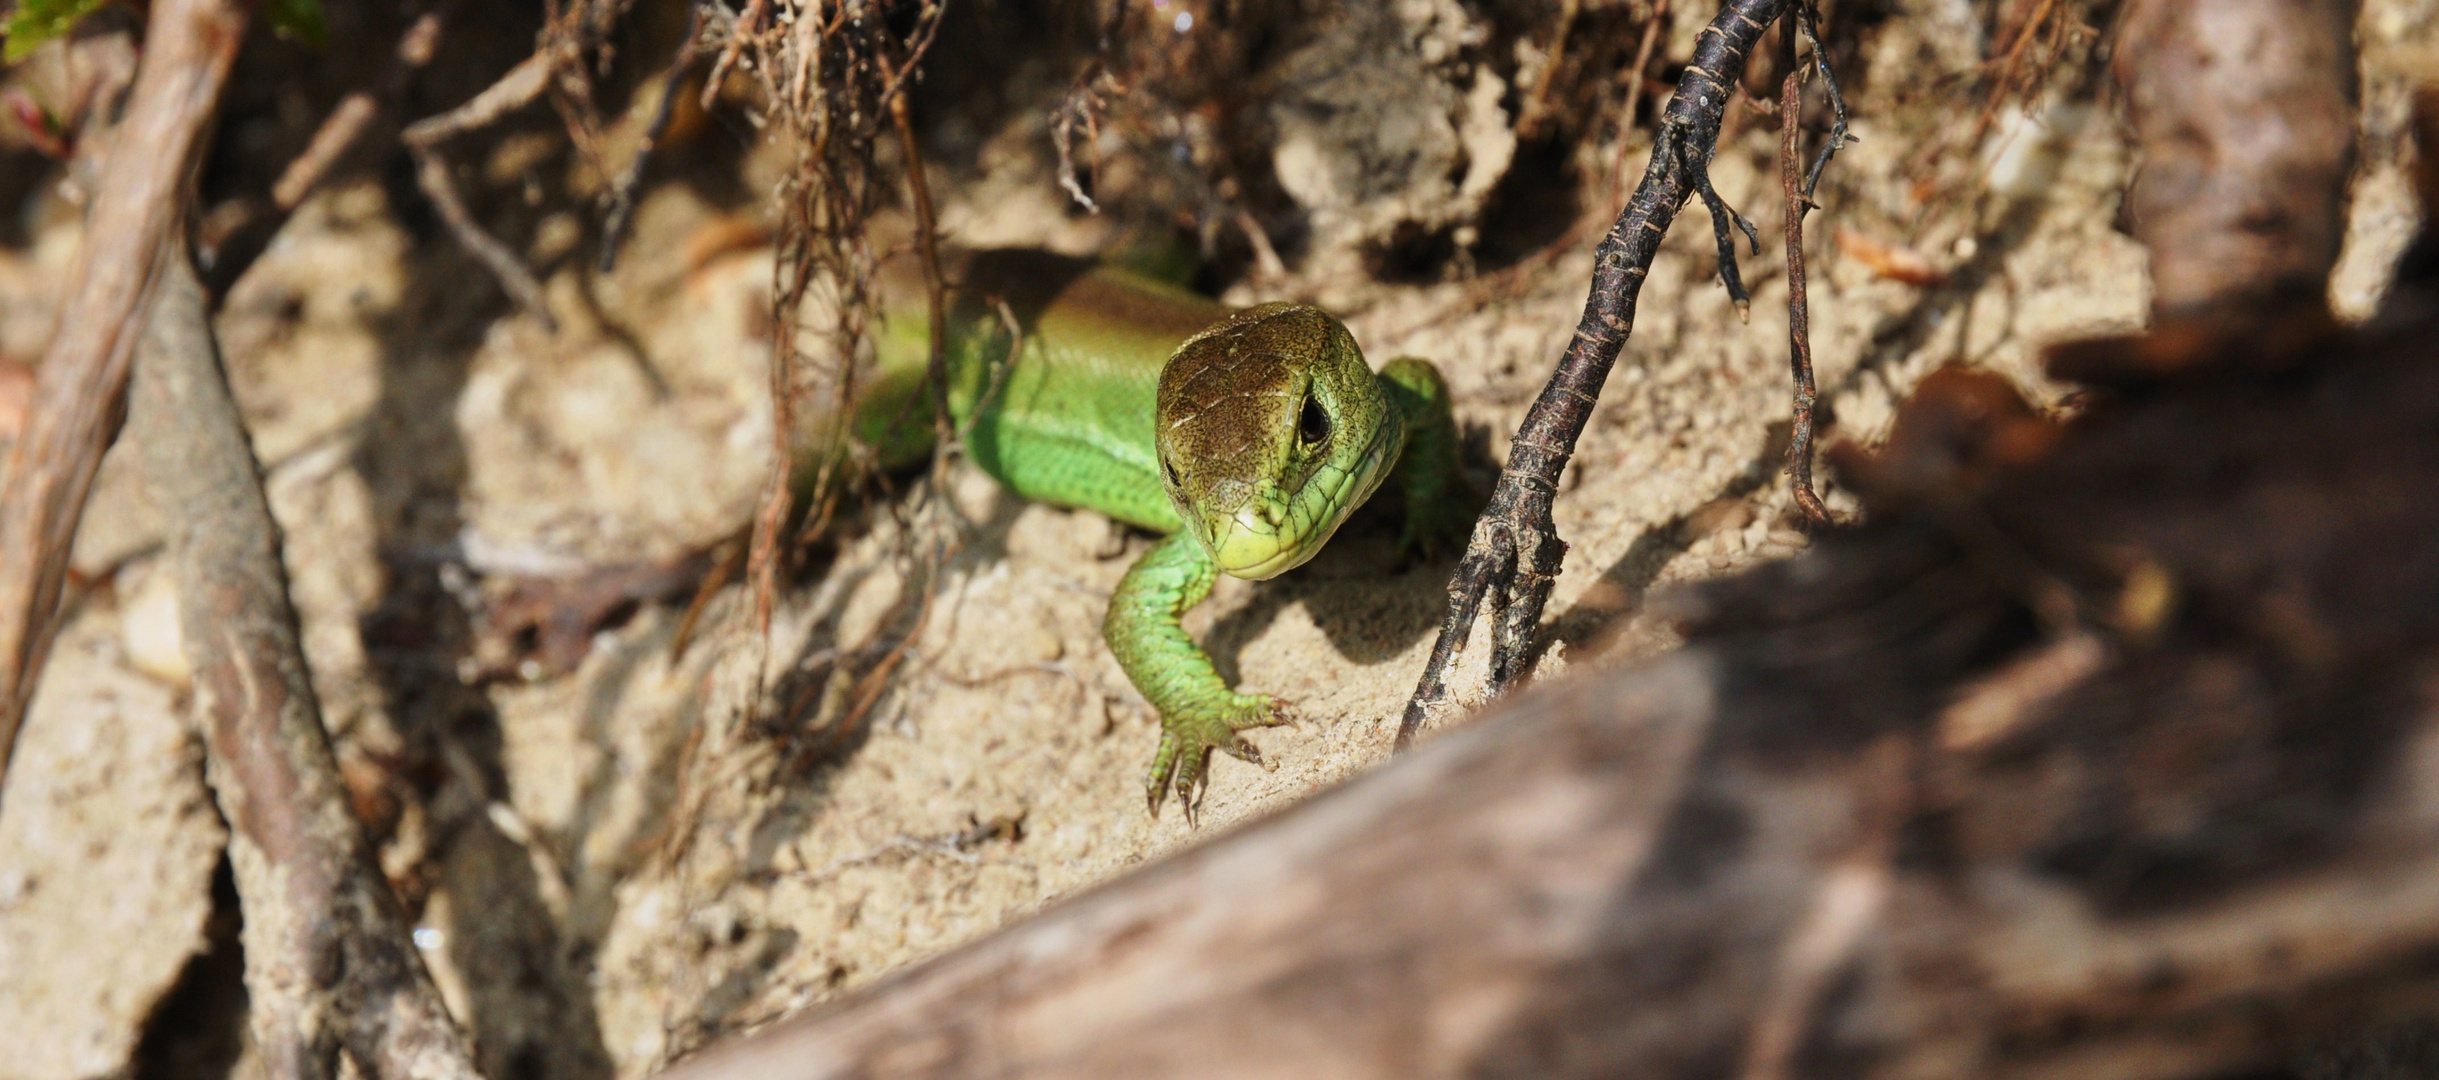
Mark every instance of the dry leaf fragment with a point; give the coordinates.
(1888, 260)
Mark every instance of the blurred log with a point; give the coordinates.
(2245, 113)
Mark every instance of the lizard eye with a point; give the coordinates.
(1313, 425)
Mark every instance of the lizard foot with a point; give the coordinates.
(1434, 530)
(1188, 737)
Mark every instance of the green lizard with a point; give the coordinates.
(1244, 437)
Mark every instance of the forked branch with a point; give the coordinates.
(523, 84)
(1515, 554)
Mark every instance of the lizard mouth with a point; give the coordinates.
(1260, 542)
(1273, 532)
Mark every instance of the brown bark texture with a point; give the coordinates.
(329, 964)
(80, 393)
(2245, 113)
(2107, 749)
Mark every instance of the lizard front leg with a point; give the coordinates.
(1439, 508)
(1198, 712)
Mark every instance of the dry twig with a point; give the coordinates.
(1799, 321)
(834, 82)
(622, 195)
(348, 126)
(935, 299)
(1513, 559)
(2014, 83)
(80, 394)
(737, 32)
(329, 966)
(1535, 114)
(1086, 99)
(515, 90)
(347, 122)
(557, 65)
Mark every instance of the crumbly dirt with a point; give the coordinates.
(107, 843)
(616, 864)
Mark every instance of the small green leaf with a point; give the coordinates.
(38, 21)
(299, 19)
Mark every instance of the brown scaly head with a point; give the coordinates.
(1271, 430)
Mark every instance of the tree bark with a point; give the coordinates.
(329, 964)
(2245, 113)
(80, 394)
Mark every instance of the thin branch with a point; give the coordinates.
(339, 131)
(898, 76)
(346, 128)
(515, 90)
(349, 119)
(728, 55)
(764, 548)
(1799, 318)
(999, 371)
(1267, 265)
(1535, 113)
(622, 199)
(1809, 11)
(1513, 559)
(80, 392)
(2009, 68)
(724, 568)
(432, 175)
(329, 964)
(867, 690)
(520, 87)
(927, 246)
(1082, 108)
(832, 86)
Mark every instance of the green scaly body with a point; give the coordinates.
(1246, 438)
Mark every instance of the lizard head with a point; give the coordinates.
(1271, 430)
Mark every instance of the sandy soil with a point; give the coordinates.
(621, 862)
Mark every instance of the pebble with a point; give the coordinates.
(148, 630)
(1042, 646)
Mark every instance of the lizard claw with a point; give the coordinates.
(1243, 751)
(1164, 766)
(1187, 739)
